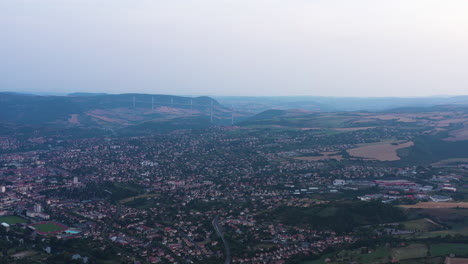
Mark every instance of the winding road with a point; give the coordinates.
(218, 230)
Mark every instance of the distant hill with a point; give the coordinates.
(429, 116)
(192, 122)
(267, 115)
(86, 94)
(334, 104)
(300, 119)
(114, 111)
(458, 107)
(159, 113)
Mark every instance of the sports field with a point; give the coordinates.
(49, 227)
(12, 220)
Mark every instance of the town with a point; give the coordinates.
(178, 197)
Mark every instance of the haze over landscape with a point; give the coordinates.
(235, 132)
(224, 47)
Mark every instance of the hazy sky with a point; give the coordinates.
(236, 47)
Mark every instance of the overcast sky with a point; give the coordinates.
(236, 47)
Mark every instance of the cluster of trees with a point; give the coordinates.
(341, 217)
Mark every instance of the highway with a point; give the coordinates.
(227, 250)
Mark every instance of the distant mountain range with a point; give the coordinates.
(147, 113)
(334, 104)
(144, 111)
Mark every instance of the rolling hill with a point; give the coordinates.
(111, 111)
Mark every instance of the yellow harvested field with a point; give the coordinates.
(352, 128)
(458, 135)
(426, 205)
(73, 119)
(456, 260)
(447, 162)
(399, 118)
(110, 120)
(447, 122)
(384, 151)
(317, 158)
(337, 129)
(435, 130)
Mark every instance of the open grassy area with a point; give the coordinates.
(432, 260)
(130, 199)
(444, 249)
(12, 220)
(321, 260)
(382, 151)
(143, 202)
(442, 233)
(410, 252)
(49, 227)
(413, 253)
(431, 205)
(441, 215)
(374, 256)
(422, 225)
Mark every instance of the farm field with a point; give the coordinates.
(12, 220)
(450, 162)
(424, 225)
(413, 253)
(383, 151)
(440, 215)
(447, 122)
(410, 252)
(73, 119)
(426, 260)
(437, 205)
(445, 249)
(453, 221)
(399, 118)
(443, 233)
(458, 135)
(316, 158)
(352, 128)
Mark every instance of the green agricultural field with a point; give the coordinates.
(48, 227)
(410, 252)
(374, 256)
(422, 225)
(442, 233)
(444, 249)
(427, 260)
(12, 220)
(321, 260)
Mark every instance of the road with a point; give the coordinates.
(218, 230)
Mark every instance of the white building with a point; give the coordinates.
(2, 189)
(37, 208)
(339, 182)
(439, 198)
